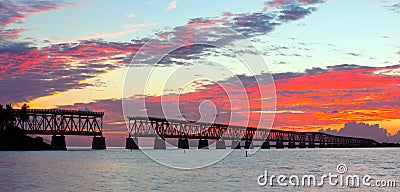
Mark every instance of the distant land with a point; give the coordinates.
(15, 139)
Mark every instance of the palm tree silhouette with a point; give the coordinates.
(23, 115)
(9, 116)
(2, 120)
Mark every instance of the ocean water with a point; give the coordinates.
(118, 169)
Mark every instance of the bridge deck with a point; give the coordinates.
(160, 127)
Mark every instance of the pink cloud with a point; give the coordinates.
(172, 5)
(14, 12)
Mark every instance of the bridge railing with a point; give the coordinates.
(61, 111)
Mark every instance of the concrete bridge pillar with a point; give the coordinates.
(302, 144)
(99, 143)
(265, 145)
(220, 144)
(279, 144)
(183, 143)
(311, 144)
(248, 144)
(203, 144)
(235, 144)
(132, 143)
(336, 145)
(58, 142)
(291, 145)
(159, 143)
(345, 144)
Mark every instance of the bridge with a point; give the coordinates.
(161, 129)
(59, 123)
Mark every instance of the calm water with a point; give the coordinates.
(117, 169)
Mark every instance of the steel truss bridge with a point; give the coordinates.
(62, 122)
(161, 129)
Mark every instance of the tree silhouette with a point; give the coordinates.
(9, 116)
(23, 115)
(2, 120)
(13, 137)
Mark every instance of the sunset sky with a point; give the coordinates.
(332, 61)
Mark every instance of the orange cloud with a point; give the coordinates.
(307, 102)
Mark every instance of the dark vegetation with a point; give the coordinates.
(14, 138)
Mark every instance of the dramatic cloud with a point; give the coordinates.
(339, 95)
(60, 67)
(277, 3)
(28, 72)
(364, 130)
(294, 13)
(11, 34)
(215, 31)
(319, 97)
(309, 101)
(14, 12)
